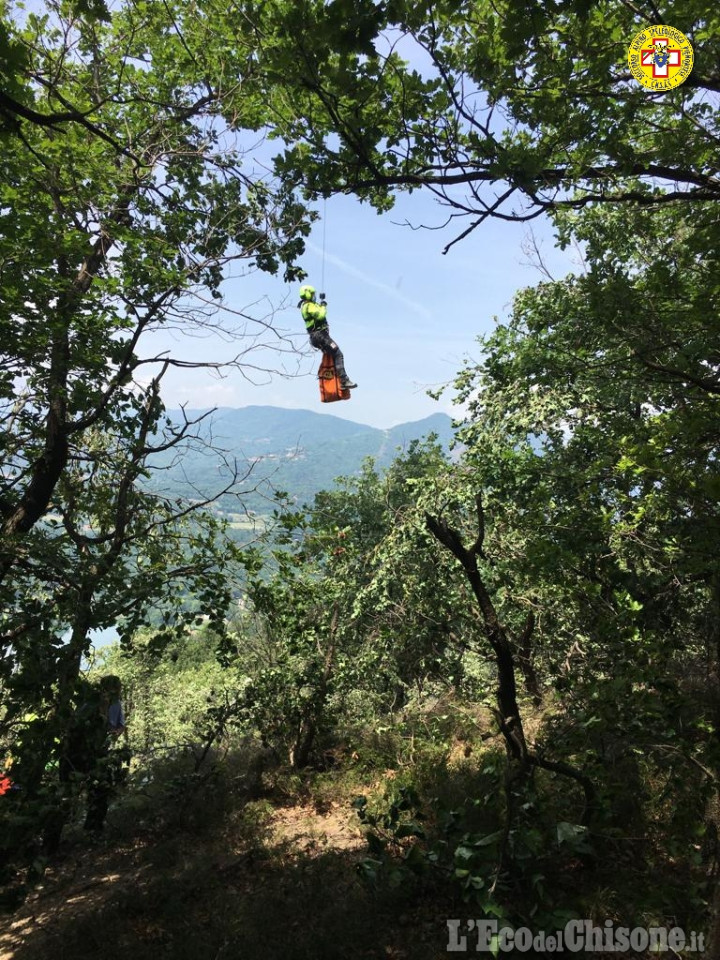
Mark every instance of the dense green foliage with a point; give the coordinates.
(118, 217)
(501, 109)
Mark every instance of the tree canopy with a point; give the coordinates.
(104, 240)
(126, 192)
(502, 110)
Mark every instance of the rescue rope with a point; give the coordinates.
(324, 223)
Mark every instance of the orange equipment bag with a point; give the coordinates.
(330, 388)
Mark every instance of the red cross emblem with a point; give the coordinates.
(661, 56)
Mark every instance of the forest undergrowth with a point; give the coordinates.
(368, 858)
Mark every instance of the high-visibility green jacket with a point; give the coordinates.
(314, 315)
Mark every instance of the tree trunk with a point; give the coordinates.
(305, 740)
(508, 712)
(525, 661)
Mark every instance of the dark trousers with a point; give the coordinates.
(321, 340)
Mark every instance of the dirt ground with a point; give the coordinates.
(295, 896)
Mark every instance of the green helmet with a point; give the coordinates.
(307, 292)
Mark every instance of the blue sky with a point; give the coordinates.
(404, 314)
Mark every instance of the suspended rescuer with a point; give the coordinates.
(315, 316)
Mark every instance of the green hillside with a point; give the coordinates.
(297, 451)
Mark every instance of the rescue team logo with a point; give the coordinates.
(660, 57)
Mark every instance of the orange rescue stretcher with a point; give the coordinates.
(330, 387)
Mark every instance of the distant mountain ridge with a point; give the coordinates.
(298, 451)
